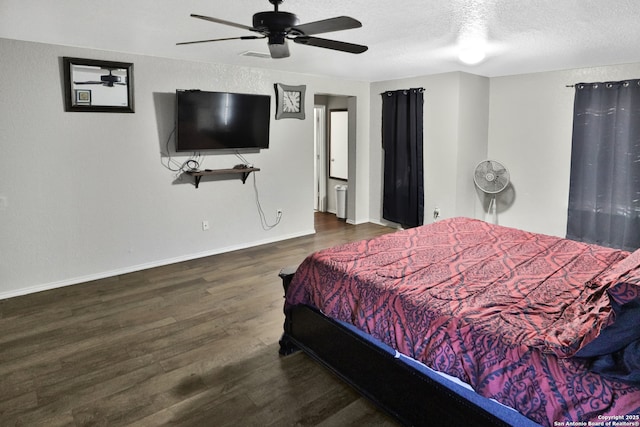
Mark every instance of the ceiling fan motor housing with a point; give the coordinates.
(275, 24)
(110, 79)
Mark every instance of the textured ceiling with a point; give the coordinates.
(405, 38)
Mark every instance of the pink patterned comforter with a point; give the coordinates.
(501, 309)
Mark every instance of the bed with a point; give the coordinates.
(475, 324)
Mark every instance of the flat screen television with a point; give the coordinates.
(221, 120)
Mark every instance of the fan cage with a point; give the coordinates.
(491, 176)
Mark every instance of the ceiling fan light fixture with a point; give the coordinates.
(279, 50)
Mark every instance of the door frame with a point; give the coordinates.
(320, 155)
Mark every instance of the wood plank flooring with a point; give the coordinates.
(189, 344)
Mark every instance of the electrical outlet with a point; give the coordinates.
(205, 225)
(436, 213)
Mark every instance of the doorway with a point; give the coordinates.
(325, 194)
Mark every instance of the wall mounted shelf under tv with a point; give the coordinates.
(244, 172)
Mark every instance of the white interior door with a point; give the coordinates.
(339, 144)
(319, 168)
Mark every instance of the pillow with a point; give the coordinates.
(625, 292)
(623, 331)
(623, 365)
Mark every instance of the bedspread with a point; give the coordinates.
(500, 308)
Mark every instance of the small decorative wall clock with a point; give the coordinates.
(289, 101)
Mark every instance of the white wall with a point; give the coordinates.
(524, 121)
(87, 195)
(530, 128)
(473, 131)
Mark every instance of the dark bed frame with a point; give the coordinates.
(409, 396)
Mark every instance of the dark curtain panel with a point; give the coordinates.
(403, 193)
(604, 193)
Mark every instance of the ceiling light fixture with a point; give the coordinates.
(473, 16)
(472, 54)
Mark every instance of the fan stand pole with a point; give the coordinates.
(493, 209)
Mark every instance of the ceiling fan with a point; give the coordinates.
(278, 27)
(108, 80)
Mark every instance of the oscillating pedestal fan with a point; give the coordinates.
(491, 178)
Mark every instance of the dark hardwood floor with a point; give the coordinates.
(190, 344)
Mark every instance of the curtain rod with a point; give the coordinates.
(419, 89)
(624, 82)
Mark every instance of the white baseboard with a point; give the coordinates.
(139, 267)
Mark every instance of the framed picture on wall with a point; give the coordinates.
(93, 85)
(83, 96)
(289, 101)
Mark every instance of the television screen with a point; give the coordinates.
(221, 120)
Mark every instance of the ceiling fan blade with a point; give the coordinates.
(280, 50)
(327, 25)
(222, 21)
(224, 39)
(331, 44)
(87, 83)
